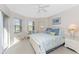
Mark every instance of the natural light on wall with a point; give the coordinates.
(5, 38)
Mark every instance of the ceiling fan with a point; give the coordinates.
(42, 8)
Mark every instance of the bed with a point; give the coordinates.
(42, 42)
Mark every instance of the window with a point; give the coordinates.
(17, 25)
(30, 26)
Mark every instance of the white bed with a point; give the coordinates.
(43, 42)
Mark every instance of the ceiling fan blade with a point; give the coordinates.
(42, 8)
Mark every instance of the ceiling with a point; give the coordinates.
(39, 10)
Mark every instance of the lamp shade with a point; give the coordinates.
(73, 28)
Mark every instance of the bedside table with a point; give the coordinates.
(72, 43)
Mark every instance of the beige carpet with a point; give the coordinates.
(24, 47)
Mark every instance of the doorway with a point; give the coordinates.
(5, 32)
(4, 40)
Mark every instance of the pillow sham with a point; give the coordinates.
(54, 31)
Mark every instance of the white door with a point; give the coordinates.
(1, 32)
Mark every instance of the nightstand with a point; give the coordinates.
(72, 44)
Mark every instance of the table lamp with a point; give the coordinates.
(73, 29)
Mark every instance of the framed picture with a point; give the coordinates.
(17, 25)
(56, 21)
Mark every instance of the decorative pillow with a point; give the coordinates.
(48, 30)
(54, 31)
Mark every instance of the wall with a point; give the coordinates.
(69, 17)
(43, 22)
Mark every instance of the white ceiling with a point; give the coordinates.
(32, 10)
